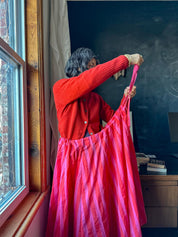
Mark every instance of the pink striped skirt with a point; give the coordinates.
(96, 186)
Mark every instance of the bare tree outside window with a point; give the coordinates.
(13, 114)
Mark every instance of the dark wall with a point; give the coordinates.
(151, 29)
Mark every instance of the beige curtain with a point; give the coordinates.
(56, 53)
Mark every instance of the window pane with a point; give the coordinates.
(11, 155)
(13, 109)
(7, 22)
(12, 25)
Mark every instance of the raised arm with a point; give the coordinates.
(68, 90)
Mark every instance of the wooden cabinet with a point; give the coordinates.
(160, 194)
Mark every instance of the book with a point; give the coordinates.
(142, 159)
(157, 170)
(151, 156)
(156, 163)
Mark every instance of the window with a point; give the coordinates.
(13, 108)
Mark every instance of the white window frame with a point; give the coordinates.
(18, 58)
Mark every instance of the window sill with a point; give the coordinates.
(22, 217)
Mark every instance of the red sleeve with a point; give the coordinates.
(68, 90)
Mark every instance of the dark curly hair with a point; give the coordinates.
(78, 61)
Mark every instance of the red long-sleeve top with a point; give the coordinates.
(78, 108)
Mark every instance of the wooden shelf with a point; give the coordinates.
(160, 194)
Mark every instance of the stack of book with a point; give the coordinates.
(155, 166)
(149, 164)
(142, 161)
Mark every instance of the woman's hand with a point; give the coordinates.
(135, 59)
(130, 94)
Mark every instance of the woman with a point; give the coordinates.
(75, 194)
(79, 110)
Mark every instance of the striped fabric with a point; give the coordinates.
(96, 186)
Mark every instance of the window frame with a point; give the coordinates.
(39, 189)
(22, 192)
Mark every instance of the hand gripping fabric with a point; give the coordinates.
(96, 188)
